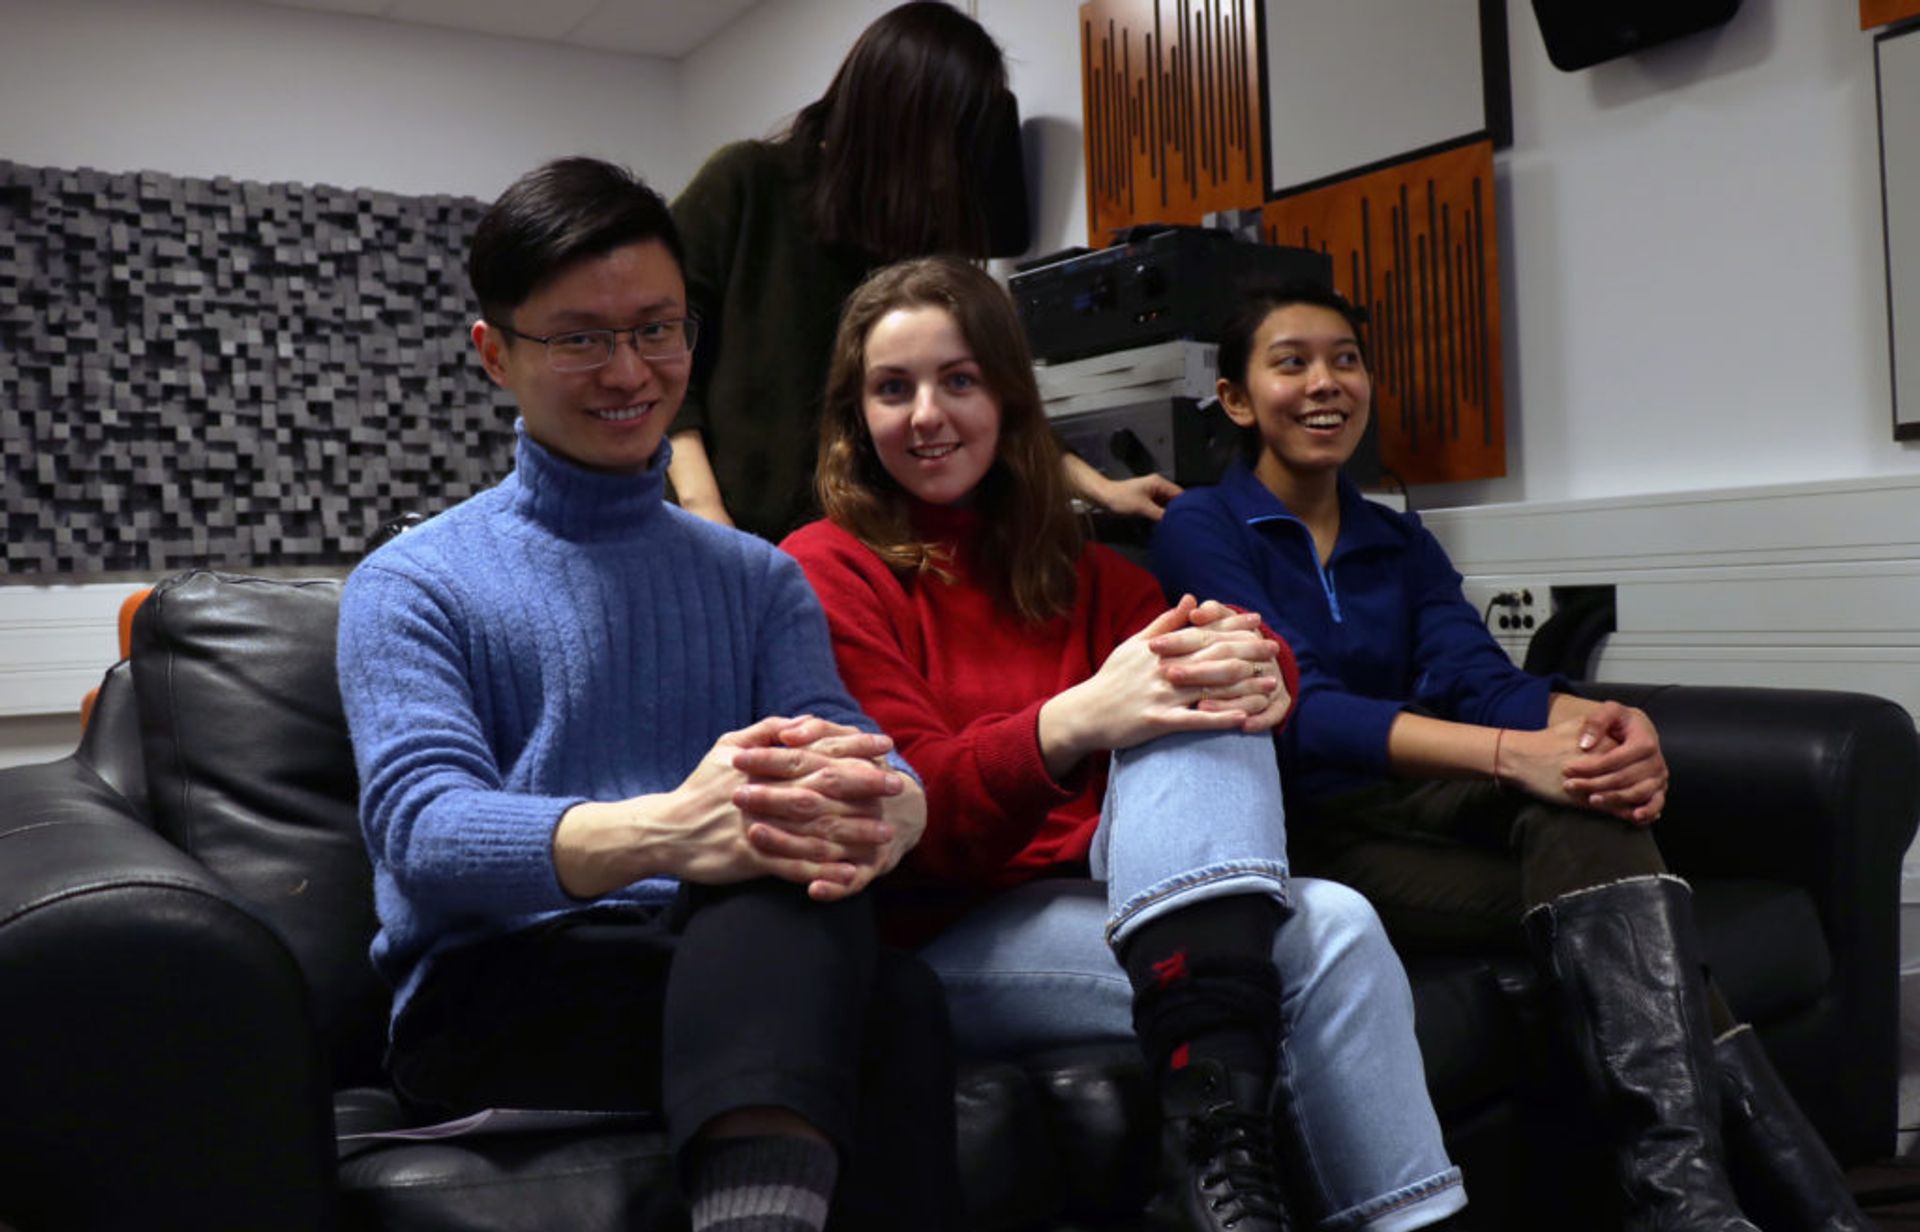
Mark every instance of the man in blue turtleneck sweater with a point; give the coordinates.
(619, 806)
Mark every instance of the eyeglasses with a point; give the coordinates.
(583, 350)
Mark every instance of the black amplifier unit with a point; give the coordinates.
(1188, 442)
(1161, 283)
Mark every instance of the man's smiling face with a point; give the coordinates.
(612, 417)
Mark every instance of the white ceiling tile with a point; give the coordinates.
(365, 8)
(670, 28)
(548, 19)
(667, 28)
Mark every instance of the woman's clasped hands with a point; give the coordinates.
(1196, 667)
(1606, 758)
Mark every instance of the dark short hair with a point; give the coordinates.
(1257, 302)
(559, 213)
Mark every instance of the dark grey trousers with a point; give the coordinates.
(738, 997)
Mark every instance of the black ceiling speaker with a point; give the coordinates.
(1580, 33)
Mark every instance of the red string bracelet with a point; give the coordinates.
(1499, 735)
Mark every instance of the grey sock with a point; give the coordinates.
(771, 1183)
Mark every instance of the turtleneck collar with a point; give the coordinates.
(581, 505)
(954, 525)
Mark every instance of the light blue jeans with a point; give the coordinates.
(1190, 817)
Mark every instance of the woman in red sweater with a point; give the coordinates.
(1105, 854)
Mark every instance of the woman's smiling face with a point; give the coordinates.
(1307, 392)
(935, 424)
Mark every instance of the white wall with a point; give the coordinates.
(1042, 42)
(257, 92)
(748, 80)
(1693, 273)
(1695, 290)
(1694, 282)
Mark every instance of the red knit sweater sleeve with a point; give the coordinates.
(988, 791)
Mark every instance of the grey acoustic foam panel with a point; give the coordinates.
(230, 374)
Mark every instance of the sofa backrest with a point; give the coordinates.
(249, 769)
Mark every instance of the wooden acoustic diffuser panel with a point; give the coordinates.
(1415, 245)
(1171, 97)
(1875, 13)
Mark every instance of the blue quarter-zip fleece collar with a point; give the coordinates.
(1363, 524)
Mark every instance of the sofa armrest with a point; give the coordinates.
(110, 744)
(162, 1066)
(1814, 787)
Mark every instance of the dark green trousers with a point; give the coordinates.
(1455, 864)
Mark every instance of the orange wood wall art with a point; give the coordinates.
(1171, 98)
(1885, 12)
(1416, 246)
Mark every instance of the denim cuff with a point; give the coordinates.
(1415, 1206)
(1267, 877)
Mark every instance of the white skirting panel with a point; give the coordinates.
(1869, 519)
(1860, 669)
(1814, 585)
(55, 642)
(29, 739)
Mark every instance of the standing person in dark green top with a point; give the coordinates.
(896, 159)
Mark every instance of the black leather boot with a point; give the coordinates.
(1216, 1154)
(1784, 1171)
(1626, 972)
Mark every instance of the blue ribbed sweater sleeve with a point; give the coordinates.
(437, 807)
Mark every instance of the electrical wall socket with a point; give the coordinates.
(1520, 609)
(1514, 608)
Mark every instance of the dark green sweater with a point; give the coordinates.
(768, 295)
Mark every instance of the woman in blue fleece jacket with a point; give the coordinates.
(1466, 797)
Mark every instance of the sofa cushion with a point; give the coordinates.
(1099, 1111)
(1470, 1034)
(623, 1177)
(521, 1182)
(1764, 945)
(1009, 1174)
(250, 771)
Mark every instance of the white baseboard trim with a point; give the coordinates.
(55, 643)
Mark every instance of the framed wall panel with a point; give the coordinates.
(1171, 106)
(1415, 245)
(1354, 84)
(1897, 72)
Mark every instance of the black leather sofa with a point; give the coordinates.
(188, 1019)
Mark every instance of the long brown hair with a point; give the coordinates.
(1031, 539)
(895, 146)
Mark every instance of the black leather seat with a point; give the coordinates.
(189, 1018)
